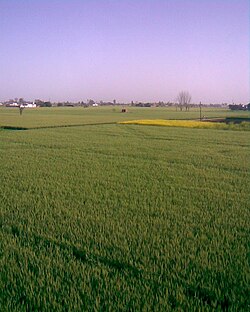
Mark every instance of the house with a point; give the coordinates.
(12, 104)
(27, 105)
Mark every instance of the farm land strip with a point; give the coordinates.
(123, 217)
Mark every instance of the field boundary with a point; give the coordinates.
(55, 126)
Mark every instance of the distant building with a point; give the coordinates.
(27, 105)
(14, 104)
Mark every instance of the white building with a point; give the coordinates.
(28, 105)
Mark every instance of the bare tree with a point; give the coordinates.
(184, 99)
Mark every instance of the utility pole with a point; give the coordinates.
(200, 110)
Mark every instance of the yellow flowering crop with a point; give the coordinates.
(175, 123)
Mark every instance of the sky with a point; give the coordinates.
(128, 50)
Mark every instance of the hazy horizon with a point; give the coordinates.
(145, 51)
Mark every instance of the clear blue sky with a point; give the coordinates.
(140, 50)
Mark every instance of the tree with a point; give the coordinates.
(45, 104)
(21, 101)
(39, 102)
(184, 99)
(90, 102)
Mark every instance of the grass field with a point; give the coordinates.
(116, 217)
(52, 117)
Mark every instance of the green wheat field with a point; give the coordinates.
(97, 215)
